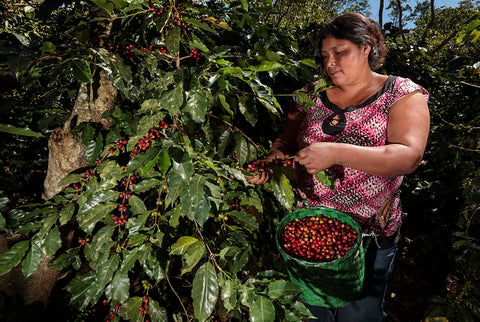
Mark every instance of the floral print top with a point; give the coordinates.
(357, 193)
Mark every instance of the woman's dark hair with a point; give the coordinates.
(359, 30)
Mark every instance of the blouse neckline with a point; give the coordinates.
(323, 96)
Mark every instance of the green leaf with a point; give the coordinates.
(173, 99)
(32, 260)
(80, 70)
(196, 105)
(136, 224)
(66, 213)
(266, 66)
(156, 312)
(192, 256)
(146, 185)
(182, 244)
(129, 259)
(105, 5)
(136, 205)
(152, 267)
(52, 242)
(309, 62)
(19, 131)
(163, 163)
(129, 310)
(172, 40)
(83, 290)
(64, 260)
(225, 105)
(243, 219)
(241, 148)
(282, 190)
(202, 210)
(278, 289)
(262, 310)
(106, 270)
(110, 173)
(198, 43)
(88, 218)
(229, 294)
(118, 291)
(244, 4)
(325, 178)
(204, 291)
(142, 158)
(100, 243)
(69, 179)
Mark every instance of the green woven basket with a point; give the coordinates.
(328, 284)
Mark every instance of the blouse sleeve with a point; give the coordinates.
(405, 86)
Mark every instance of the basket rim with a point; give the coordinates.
(310, 211)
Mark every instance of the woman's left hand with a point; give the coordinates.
(316, 157)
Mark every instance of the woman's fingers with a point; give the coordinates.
(262, 177)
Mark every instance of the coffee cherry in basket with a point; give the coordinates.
(318, 238)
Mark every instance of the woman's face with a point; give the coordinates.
(343, 60)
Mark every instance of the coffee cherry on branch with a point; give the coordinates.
(195, 54)
(257, 166)
(318, 238)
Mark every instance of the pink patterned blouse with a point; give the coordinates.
(357, 193)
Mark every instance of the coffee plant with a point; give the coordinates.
(163, 223)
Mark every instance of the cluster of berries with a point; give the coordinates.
(256, 166)
(120, 145)
(318, 238)
(88, 174)
(144, 307)
(195, 54)
(152, 135)
(112, 314)
(154, 9)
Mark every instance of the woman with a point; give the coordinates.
(368, 130)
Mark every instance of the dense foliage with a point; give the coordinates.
(165, 224)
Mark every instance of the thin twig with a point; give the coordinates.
(176, 294)
(469, 84)
(237, 129)
(462, 148)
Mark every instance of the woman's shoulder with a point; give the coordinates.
(402, 86)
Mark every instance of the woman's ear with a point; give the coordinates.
(366, 49)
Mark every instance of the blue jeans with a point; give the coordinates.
(369, 306)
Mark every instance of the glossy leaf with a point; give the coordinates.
(83, 289)
(52, 242)
(118, 290)
(192, 256)
(66, 213)
(262, 310)
(182, 244)
(7, 128)
(204, 291)
(282, 190)
(32, 260)
(279, 288)
(129, 310)
(157, 312)
(196, 105)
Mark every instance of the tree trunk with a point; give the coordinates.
(380, 13)
(66, 154)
